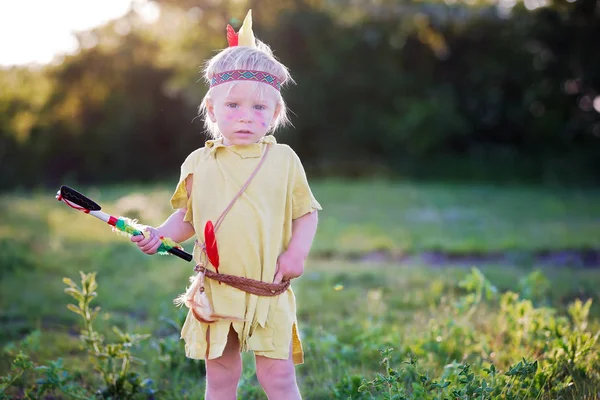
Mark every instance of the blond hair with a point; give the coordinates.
(260, 58)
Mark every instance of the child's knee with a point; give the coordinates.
(224, 371)
(275, 374)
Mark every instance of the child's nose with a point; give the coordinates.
(245, 116)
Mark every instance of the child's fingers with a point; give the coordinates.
(137, 238)
(278, 276)
(144, 242)
(151, 246)
(145, 246)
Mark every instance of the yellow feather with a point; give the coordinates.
(245, 34)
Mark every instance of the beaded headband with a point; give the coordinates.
(245, 75)
(244, 37)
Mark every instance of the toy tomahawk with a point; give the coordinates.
(76, 200)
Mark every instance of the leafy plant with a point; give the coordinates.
(560, 353)
(112, 360)
(55, 378)
(19, 366)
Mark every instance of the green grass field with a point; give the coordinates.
(348, 311)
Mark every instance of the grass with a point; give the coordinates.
(348, 311)
(366, 216)
(411, 217)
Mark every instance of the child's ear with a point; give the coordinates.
(210, 110)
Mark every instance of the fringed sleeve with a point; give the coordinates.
(181, 198)
(303, 201)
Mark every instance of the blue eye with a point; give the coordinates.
(231, 105)
(259, 107)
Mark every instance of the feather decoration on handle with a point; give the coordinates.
(232, 37)
(210, 242)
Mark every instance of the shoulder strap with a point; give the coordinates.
(243, 189)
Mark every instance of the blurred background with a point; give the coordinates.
(464, 90)
(454, 146)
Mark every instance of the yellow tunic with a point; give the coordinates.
(253, 234)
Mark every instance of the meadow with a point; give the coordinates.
(377, 318)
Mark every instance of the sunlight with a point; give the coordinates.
(597, 103)
(39, 37)
(533, 4)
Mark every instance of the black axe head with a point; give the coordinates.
(75, 197)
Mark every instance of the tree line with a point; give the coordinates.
(405, 89)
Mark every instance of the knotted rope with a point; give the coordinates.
(248, 285)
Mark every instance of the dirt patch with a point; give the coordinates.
(554, 258)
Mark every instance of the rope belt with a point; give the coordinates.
(248, 285)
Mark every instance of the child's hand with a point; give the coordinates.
(150, 242)
(290, 264)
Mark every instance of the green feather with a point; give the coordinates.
(131, 227)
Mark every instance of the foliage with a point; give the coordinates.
(460, 382)
(19, 366)
(562, 365)
(113, 360)
(559, 360)
(413, 90)
(444, 317)
(55, 379)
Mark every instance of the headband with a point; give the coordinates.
(244, 37)
(245, 75)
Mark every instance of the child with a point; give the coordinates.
(265, 218)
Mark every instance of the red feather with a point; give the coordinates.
(210, 242)
(232, 37)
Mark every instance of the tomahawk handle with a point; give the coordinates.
(184, 255)
(173, 250)
(180, 253)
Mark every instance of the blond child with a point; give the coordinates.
(248, 201)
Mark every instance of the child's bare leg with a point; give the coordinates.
(223, 373)
(277, 378)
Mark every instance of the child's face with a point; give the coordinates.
(242, 114)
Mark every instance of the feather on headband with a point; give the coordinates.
(244, 37)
